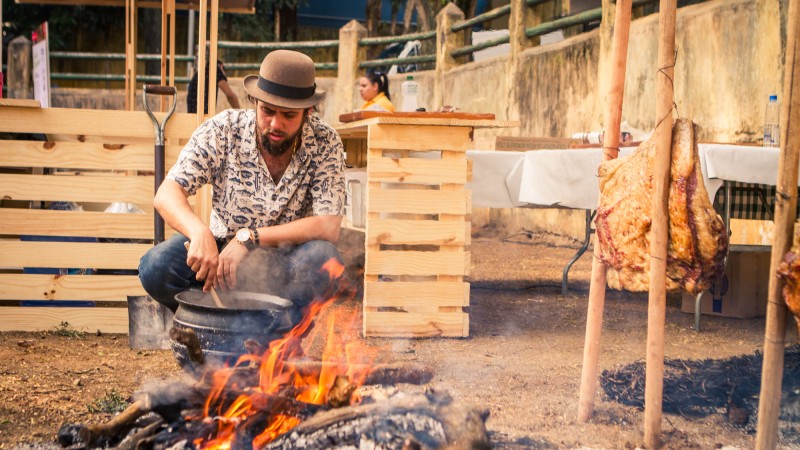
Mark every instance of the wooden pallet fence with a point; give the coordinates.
(76, 266)
(417, 231)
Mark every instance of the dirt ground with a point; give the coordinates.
(522, 360)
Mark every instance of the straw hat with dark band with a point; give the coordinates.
(286, 79)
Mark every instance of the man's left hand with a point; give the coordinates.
(229, 260)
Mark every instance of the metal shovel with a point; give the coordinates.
(159, 149)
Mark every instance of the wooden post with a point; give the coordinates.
(769, 402)
(131, 19)
(597, 286)
(659, 233)
(171, 44)
(520, 18)
(212, 59)
(167, 49)
(350, 53)
(1, 49)
(446, 42)
(203, 205)
(201, 61)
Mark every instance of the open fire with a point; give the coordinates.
(280, 398)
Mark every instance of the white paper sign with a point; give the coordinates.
(41, 66)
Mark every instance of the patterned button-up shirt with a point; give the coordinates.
(223, 152)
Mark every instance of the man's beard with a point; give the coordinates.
(279, 148)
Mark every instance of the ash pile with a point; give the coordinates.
(731, 386)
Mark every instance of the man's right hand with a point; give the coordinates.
(203, 258)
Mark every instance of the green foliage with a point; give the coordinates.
(63, 329)
(22, 19)
(112, 403)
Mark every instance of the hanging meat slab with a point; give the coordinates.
(789, 271)
(697, 243)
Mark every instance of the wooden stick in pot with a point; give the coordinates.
(214, 294)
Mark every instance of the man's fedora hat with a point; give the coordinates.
(286, 79)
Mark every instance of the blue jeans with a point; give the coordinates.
(292, 272)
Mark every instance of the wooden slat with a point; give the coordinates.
(95, 188)
(417, 201)
(363, 115)
(416, 232)
(43, 222)
(393, 262)
(354, 128)
(412, 294)
(94, 255)
(20, 102)
(449, 157)
(107, 288)
(419, 138)
(92, 122)
(400, 324)
(75, 155)
(417, 170)
(39, 318)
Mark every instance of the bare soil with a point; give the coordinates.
(522, 360)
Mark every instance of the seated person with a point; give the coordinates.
(374, 90)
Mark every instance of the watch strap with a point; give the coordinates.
(256, 241)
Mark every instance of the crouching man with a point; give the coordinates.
(277, 173)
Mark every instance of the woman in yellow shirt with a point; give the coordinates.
(374, 90)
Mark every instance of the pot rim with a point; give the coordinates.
(269, 302)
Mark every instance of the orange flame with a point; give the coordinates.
(343, 355)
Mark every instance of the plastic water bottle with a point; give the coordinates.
(772, 127)
(409, 89)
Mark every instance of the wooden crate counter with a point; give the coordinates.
(93, 158)
(417, 231)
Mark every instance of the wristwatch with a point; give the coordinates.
(247, 237)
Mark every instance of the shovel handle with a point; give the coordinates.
(160, 90)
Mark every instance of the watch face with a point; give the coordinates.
(243, 235)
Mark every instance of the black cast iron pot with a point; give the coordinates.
(222, 331)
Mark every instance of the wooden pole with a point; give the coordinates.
(212, 59)
(597, 287)
(164, 49)
(786, 203)
(659, 233)
(171, 43)
(201, 61)
(131, 19)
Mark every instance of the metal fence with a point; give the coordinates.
(416, 61)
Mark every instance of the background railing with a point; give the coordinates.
(577, 23)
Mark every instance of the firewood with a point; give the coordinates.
(99, 435)
(284, 405)
(139, 438)
(189, 339)
(433, 419)
(387, 374)
(341, 392)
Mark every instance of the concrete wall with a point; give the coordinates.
(729, 59)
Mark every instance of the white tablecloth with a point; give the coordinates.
(568, 177)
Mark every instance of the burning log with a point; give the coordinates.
(101, 435)
(432, 421)
(190, 340)
(387, 374)
(143, 437)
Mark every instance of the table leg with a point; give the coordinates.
(727, 219)
(697, 311)
(581, 251)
